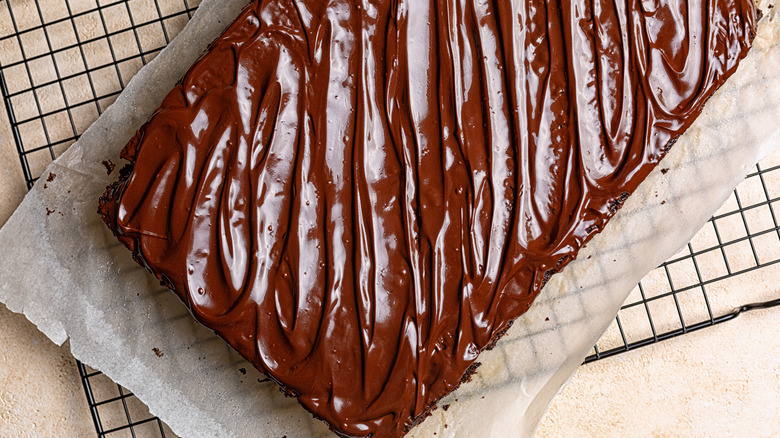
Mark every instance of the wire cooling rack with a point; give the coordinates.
(62, 62)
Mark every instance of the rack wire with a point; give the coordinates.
(63, 62)
(683, 294)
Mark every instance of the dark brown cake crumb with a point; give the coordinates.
(446, 407)
(158, 352)
(109, 166)
(671, 143)
(615, 204)
(51, 177)
(48, 212)
(242, 371)
(469, 373)
(664, 170)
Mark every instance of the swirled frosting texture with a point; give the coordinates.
(361, 196)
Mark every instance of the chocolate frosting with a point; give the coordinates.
(361, 196)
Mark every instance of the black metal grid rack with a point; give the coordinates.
(741, 239)
(62, 62)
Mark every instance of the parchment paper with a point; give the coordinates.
(61, 267)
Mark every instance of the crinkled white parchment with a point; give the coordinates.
(63, 269)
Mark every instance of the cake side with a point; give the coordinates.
(361, 199)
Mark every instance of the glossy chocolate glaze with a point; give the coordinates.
(360, 197)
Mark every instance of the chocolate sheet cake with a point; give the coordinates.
(360, 197)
